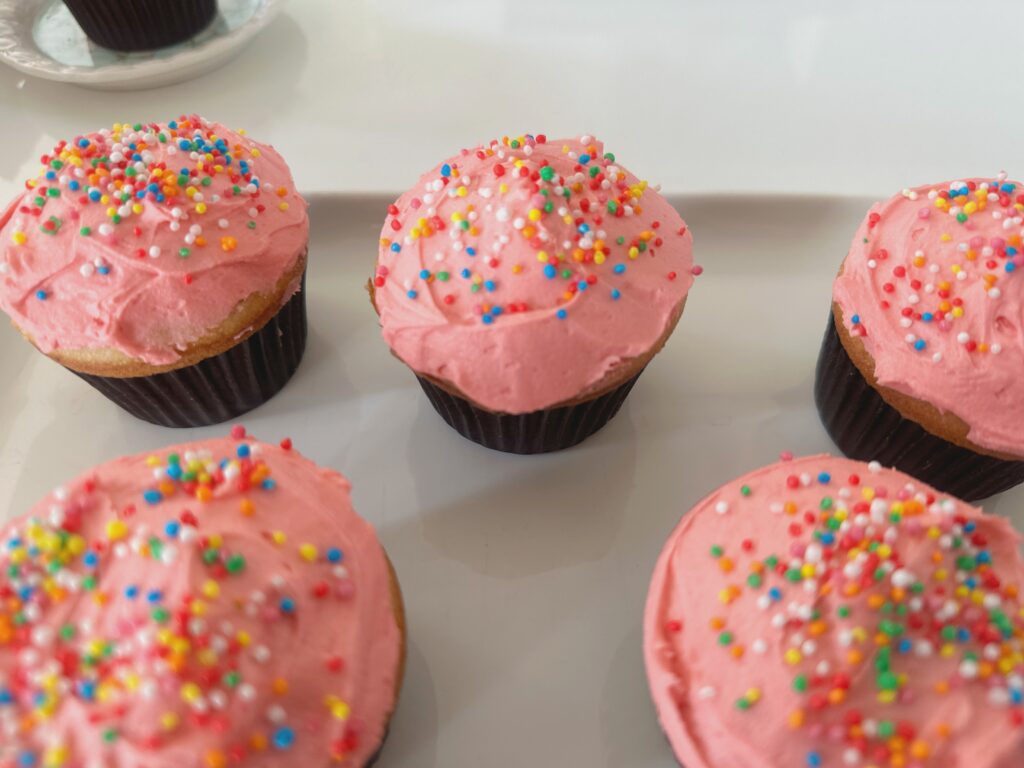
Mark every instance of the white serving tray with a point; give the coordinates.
(524, 577)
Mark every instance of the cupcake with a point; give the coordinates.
(824, 612)
(141, 25)
(527, 283)
(162, 263)
(213, 604)
(922, 366)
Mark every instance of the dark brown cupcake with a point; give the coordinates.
(141, 25)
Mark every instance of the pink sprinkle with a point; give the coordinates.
(345, 590)
(416, 203)
(786, 456)
(697, 270)
(924, 213)
(238, 432)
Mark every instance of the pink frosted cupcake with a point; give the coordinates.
(527, 283)
(162, 263)
(922, 366)
(213, 604)
(828, 613)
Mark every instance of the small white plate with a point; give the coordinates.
(42, 38)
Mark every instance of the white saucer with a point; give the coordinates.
(42, 38)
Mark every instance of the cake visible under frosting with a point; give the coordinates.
(827, 613)
(141, 238)
(525, 270)
(934, 287)
(214, 604)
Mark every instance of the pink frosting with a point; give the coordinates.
(175, 259)
(240, 615)
(934, 285)
(523, 271)
(825, 612)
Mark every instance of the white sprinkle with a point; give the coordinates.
(706, 693)
(874, 467)
(722, 507)
(759, 646)
(995, 349)
(963, 338)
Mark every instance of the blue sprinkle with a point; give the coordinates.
(927, 317)
(334, 555)
(41, 295)
(561, 314)
(172, 124)
(584, 159)
(184, 144)
(813, 759)
(487, 319)
(920, 344)
(26, 759)
(287, 605)
(471, 251)
(95, 195)
(905, 645)
(446, 170)
(1007, 188)
(74, 186)
(131, 592)
(984, 557)
(497, 311)
(582, 285)
(51, 175)
(969, 527)
(963, 635)
(489, 285)
(242, 451)
(855, 319)
(616, 294)
(1016, 696)
(1011, 251)
(91, 559)
(549, 271)
(395, 247)
(174, 471)
(6, 697)
(172, 528)
(824, 478)
(87, 689)
(284, 737)
(584, 228)
(152, 496)
(618, 269)
(25, 593)
(269, 484)
(828, 538)
(465, 273)
(411, 294)
(154, 596)
(424, 274)
(775, 594)
(83, 143)
(1010, 266)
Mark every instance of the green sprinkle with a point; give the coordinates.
(800, 683)
(547, 173)
(184, 252)
(745, 490)
(725, 638)
(85, 231)
(716, 551)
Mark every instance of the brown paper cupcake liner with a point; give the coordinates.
(141, 25)
(867, 428)
(221, 387)
(538, 432)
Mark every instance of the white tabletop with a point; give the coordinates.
(701, 96)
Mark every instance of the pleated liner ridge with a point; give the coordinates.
(221, 387)
(865, 427)
(141, 25)
(538, 432)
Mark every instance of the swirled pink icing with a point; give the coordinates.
(825, 612)
(524, 270)
(141, 238)
(934, 286)
(214, 604)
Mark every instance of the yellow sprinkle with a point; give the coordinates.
(283, 206)
(19, 238)
(211, 589)
(308, 552)
(278, 537)
(116, 529)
